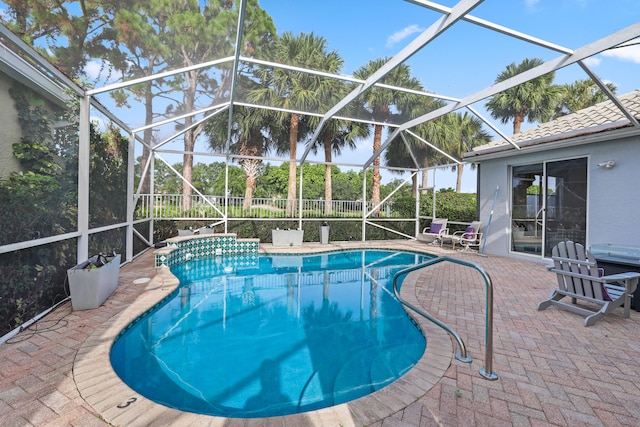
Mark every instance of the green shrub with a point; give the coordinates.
(41, 201)
(456, 207)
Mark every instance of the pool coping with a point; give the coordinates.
(118, 404)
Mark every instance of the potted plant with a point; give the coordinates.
(287, 237)
(93, 281)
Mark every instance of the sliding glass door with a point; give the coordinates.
(549, 204)
(566, 202)
(527, 208)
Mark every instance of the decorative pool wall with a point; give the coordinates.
(185, 248)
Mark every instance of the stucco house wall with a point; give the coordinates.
(613, 202)
(613, 205)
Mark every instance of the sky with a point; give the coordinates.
(466, 58)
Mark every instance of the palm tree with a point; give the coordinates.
(249, 137)
(464, 132)
(400, 154)
(397, 155)
(383, 104)
(335, 136)
(580, 94)
(198, 33)
(296, 90)
(534, 100)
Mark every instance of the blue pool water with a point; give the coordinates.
(259, 336)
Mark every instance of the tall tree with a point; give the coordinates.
(251, 138)
(335, 135)
(534, 100)
(141, 30)
(73, 31)
(464, 132)
(436, 133)
(399, 155)
(199, 32)
(194, 38)
(580, 94)
(382, 104)
(298, 91)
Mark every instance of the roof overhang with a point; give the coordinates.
(32, 69)
(602, 133)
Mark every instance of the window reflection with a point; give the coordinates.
(549, 205)
(526, 211)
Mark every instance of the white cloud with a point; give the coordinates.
(592, 61)
(364, 146)
(398, 36)
(531, 3)
(92, 70)
(102, 71)
(629, 53)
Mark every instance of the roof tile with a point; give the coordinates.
(603, 113)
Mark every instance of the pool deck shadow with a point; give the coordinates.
(552, 370)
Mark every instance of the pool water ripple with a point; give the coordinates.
(282, 335)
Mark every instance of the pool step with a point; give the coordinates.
(353, 378)
(370, 370)
(391, 365)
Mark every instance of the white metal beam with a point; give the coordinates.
(377, 207)
(184, 130)
(45, 66)
(612, 97)
(342, 77)
(406, 144)
(495, 27)
(439, 150)
(131, 204)
(179, 175)
(492, 126)
(442, 24)
(234, 72)
(84, 159)
(584, 52)
(304, 113)
(176, 118)
(580, 54)
(169, 73)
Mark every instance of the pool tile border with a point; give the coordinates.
(118, 404)
(184, 248)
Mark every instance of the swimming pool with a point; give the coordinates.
(272, 335)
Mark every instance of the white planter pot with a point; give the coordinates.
(324, 234)
(90, 287)
(287, 237)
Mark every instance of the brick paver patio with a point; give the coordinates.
(552, 370)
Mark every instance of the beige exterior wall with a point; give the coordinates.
(10, 132)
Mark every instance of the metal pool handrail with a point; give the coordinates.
(485, 372)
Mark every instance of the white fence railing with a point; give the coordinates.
(172, 206)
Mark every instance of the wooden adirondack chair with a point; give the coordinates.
(580, 279)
